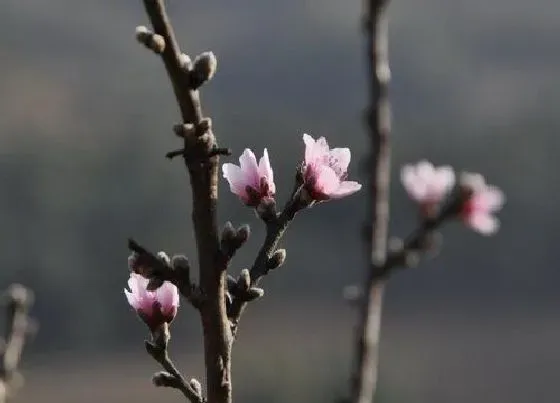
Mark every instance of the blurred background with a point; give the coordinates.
(85, 121)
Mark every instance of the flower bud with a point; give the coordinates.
(204, 68)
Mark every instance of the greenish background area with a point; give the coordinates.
(85, 120)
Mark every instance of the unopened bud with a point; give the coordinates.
(231, 283)
(254, 293)
(186, 62)
(183, 129)
(277, 259)
(164, 258)
(154, 42)
(180, 262)
(228, 233)
(243, 233)
(244, 281)
(163, 378)
(142, 32)
(197, 387)
(352, 293)
(204, 69)
(411, 258)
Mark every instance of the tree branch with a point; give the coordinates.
(203, 170)
(18, 326)
(364, 377)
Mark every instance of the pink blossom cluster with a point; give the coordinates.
(429, 186)
(324, 174)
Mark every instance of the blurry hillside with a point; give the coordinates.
(86, 117)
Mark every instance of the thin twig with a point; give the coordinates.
(203, 170)
(364, 377)
(18, 326)
(176, 379)
(275, 229)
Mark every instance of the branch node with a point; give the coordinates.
(277, 259)
(244, 280)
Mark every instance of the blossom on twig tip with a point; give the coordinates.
(325, 170)
(427, 185)
(154, 307)
(481, 200)
(252, 182)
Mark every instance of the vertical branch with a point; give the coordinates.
(364, 377)
(18, 325)
(202, 164)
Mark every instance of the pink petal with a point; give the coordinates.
(342, 157)
(493, 198)
(444, 178)
(235, 177)
(425, 171)
(326, 180)
(416, 188)
(131, 298)
(486, 224)
(471, 180)
(168, 297)
(345, 189)
(265, 170)
(139, 297)
(249, 167)
(309, 147)
(317, 151)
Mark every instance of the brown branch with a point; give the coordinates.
(203, 171)
(364, 377)
(18, 326)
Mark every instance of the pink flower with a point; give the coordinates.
(325, 170)
(250, 181)
(153, 307)
(426, 184)
(483, 200)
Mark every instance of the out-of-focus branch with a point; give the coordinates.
(364, 377)
(18, 300)
(201, 159)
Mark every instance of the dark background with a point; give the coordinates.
(85, 120)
